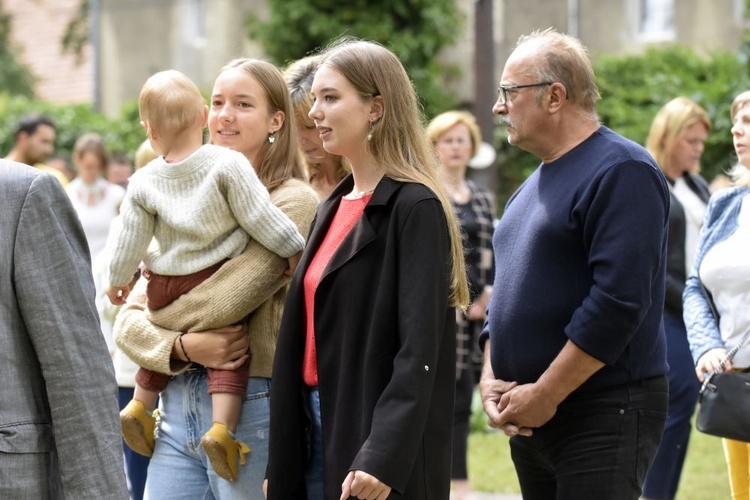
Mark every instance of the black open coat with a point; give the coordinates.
(385, 340)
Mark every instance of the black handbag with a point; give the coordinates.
(724, 409)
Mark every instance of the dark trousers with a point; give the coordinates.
(664, 477)
(461, 417)
(135, 464)
(598, 444)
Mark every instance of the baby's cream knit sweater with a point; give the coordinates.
(253, 282)
(201, 211)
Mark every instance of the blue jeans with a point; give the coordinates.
(598, 445)
(135, 464)
(180, 469)
(314, 471)
(664, 477)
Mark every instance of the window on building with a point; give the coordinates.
(194, 24)
(654, 20)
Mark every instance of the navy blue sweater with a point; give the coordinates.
(580, 254)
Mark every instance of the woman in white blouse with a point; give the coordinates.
(96, 200)
(717, 293)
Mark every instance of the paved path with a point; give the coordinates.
(477, 495)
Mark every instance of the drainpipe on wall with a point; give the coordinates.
(484, 87)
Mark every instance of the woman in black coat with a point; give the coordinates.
(363, 381)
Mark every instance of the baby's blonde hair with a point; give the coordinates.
(170, 103)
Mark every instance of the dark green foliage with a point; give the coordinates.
(76, 35)
(15, 77)
(633, 90)
(122, 135)
(416, 30)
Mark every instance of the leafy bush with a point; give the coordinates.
(122, 135)
(416, 30)
(633, 90)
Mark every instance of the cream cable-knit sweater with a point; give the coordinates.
(253, 281)
(201, 211)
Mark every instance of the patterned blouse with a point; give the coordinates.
(476, 219)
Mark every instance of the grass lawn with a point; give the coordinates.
(704, 476)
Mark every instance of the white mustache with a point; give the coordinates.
(505, 121)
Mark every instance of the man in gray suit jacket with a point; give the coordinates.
(59, 425)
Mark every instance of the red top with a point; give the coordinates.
(348, 213)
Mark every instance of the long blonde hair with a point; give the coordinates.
(673, 119)
(280, 160)
(398, 142)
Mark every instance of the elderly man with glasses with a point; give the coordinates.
(575, 364)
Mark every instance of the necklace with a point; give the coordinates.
(459, 194)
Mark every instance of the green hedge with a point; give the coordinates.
(416, 30)
(122, 135)
(635, 87)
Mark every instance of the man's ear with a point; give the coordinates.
(557, 96)
(22, 138)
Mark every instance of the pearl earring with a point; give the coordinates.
(369, 134)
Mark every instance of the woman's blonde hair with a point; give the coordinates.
(446, 121)
(397, 141)
(144, 154)
(299, 77)
(280, 159)
(670, 122)
(740, 174)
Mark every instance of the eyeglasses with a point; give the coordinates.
(503, 90)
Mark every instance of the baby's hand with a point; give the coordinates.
(118, 295)
(293, 261)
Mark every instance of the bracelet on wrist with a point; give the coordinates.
(182, 348)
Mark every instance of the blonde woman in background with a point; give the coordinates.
(456, 138)
(717, 293)
(325, 170)
(676, 141)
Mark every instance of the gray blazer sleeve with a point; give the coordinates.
(55, 294)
